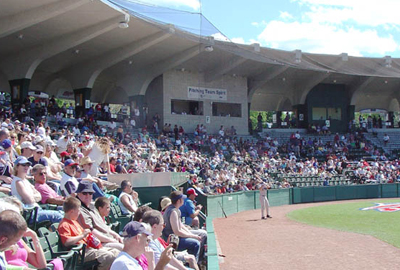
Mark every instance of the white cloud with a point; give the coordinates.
(368, 13)
(219, 36)
(239, 40)
(285, 15)
(357, 27)
(327, 39)
(259, 24)
(193, 4)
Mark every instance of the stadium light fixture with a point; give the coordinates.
(298, 56)
(388, 61)
(208, 48)
(124, 24)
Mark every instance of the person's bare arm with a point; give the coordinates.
(103, 237)
(125, 202)
(35, 257)
(55, 201)
(26, 197)
(72, 240)
(180, 230)
(165, 258)
(5, 179)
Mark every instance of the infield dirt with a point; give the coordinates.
(280, 243)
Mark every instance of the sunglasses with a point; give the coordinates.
(25, 165)
(74, 167)
(39, 153)
(42, 173)
(87, 193)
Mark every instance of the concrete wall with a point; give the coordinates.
(175, 87)
(154, 100)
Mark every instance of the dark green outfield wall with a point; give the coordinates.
(249, 200)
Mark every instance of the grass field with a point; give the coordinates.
(349, 217)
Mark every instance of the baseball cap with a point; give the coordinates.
(51, 142)
(70, 162)
(191, 191)
(63, 154)
(134, 228)
(38, 139)
(85, 186)
(39, 148)
(27, 144)
(6, 143)
(22, 160)
(176, 195)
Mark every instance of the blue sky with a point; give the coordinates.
(357, 27)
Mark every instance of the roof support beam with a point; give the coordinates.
(359, 86)
(24, 64)
(139, 82)
(17, 22)
(305, 89)
(261, 79)
(224, 68)
(84, 75)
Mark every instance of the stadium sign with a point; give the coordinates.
(384, 207)
(207, 93)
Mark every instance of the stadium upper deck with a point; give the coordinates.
(82, 49)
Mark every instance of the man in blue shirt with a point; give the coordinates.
(189, 210)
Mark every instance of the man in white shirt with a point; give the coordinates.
(136, 239)
(156, 221)
(62, 143)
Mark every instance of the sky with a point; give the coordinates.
(358, 27)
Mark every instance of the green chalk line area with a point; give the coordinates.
(348, 217)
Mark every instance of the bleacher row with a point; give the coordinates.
(72, 259)
(305, 181)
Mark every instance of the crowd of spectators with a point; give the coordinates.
(49, 164)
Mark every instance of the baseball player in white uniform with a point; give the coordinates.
(264, 201)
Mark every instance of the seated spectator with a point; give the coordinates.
(128, 199)
(13, 227)
(21, 254)
(27, 194)
(136, 239)
(71, 233)
(156, 221)
(69, 183)
(48, 194)
(189, 210)
(86, 163)
(174, 225)
(119, 168)
(91, 219)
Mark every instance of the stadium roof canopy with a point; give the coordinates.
(63, 45)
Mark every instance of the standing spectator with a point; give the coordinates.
(385, 139)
